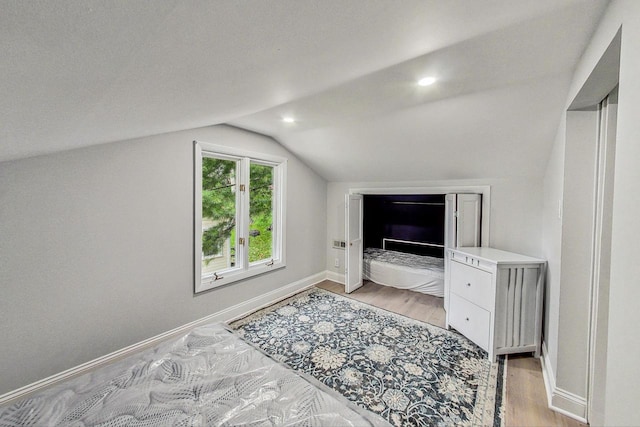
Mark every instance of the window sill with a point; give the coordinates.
(209, 282)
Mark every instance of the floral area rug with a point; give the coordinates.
(408, 372)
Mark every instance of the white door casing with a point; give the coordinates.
(353, 230)
(599, 316)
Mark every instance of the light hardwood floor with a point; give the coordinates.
(526, 401)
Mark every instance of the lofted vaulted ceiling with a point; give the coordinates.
(84, 72)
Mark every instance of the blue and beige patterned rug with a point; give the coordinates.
(408, 372)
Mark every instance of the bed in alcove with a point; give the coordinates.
(404, 240)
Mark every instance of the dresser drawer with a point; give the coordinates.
(472, 284)
(470, 320)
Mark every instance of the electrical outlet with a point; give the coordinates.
(336, 262)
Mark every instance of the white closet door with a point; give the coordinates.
(450, 221)
(462, 220)
(449, 242)
(353, 228)
(462, 214)
(469, 207)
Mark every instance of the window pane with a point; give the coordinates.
(218, 214)
(261, 212)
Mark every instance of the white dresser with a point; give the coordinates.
(494, 298)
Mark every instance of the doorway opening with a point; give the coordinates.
(399, 238)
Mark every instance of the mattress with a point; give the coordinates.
(418, 273)
(209, 377)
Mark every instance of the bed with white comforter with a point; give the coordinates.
(404, 270)
(209, 377)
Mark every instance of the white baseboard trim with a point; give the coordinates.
(548, 375)
(243, 309)
(559, 400)
(335, 277)
(227, 315)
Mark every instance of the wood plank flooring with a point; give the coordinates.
(526, 399)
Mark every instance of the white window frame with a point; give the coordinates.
(243, 268)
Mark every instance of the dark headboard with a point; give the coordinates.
(409, 223)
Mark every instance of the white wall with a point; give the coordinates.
(96, 248)
(623, 371)
(552, 243)
(515, 212)
(568, 235)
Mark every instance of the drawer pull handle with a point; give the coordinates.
(467, 319)
(469, 284)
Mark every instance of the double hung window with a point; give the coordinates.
(239, 214)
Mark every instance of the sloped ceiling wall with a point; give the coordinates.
(78, 73)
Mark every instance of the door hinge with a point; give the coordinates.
(241, 241)
(456, 214)
(242, 187)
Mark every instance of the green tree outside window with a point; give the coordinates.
(219, 187)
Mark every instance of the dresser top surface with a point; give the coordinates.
(497, 256)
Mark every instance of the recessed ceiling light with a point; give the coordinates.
(426, 81)
(288, 119)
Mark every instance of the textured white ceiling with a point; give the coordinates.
(78, 73)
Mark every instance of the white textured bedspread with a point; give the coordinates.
(209, 377)
(418, 273)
